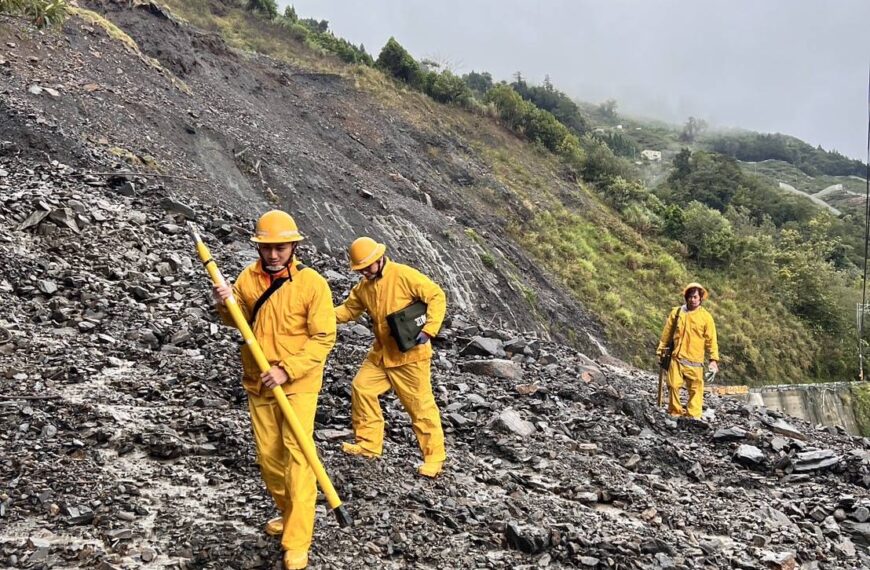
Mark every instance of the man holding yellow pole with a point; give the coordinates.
(289, 308)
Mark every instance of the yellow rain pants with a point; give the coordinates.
(693, 378)
(413, 385)
(287, 474)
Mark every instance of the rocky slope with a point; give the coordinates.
(248, 132)
(124, 439)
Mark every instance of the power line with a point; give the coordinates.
(866, 241)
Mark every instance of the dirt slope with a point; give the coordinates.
(250, 133)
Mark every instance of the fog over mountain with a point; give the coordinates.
(798, 67)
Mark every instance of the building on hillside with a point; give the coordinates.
(652, 155)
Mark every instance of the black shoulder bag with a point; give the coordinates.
(406, 324)
(665, 360)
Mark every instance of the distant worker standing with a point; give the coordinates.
(692, 331)
(289, 308)
(388, 287)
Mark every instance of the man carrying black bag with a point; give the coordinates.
(406, 309)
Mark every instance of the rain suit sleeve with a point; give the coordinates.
(224, 313)
(351, 309)
(321, 334)
(711, 343)
(429, 292)
(665, 339)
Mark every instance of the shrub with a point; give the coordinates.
(624, 316)
(445, 87)
(708, 235)
(41, 13)
(266, 7)
(396, 61)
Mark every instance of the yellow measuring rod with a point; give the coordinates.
(305, 442)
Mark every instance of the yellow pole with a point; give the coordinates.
(305, 443)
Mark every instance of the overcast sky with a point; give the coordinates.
(798, 67)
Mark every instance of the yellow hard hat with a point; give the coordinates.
(364, 251)
(276, 226)
(699, 286)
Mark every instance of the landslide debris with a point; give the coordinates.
(124, 439)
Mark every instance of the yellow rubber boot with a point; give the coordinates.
(275, 527)
(295, 559)
(356, 449)
(431, 468)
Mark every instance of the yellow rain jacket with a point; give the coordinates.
(695, 332)
(295, 327)
(396, 288)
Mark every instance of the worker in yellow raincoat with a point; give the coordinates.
(289, 307)
(388, 287)
(694, 333)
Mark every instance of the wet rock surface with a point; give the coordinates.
(125, 443)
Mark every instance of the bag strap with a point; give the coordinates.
(276, 284)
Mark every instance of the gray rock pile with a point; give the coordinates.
(124, 439)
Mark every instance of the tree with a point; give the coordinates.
(608, 109)
(319, 26)
(682, 164)
(448, 88)
(548, 85)
(511, 107)
(709, 178)
(808, 284)
(266, 7)
(621, 193)
(692, 129)
(396, 61)
(479, 83)
(290, 14)
(707, 234)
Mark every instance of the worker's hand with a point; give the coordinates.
(221, 293)
(422, 338)
(275, 376)
(713, 366)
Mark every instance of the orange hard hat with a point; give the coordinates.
(364, 251)
(276, 226)
(696, 285)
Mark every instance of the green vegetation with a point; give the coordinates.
(41, 13)
(315, 34)
(443, 86)
(756, 147)
(861, 407)
(488, 260)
